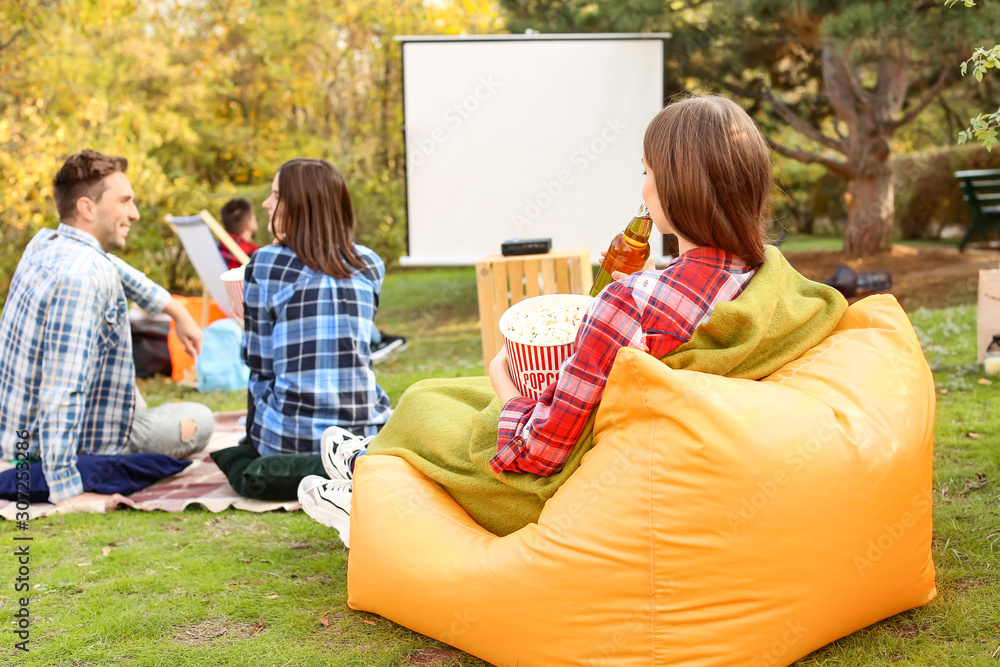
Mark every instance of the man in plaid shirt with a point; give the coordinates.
(66, 370)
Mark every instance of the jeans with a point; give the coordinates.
(159, 429)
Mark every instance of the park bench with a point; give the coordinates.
(982, 194)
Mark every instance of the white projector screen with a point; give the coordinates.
(525, 137)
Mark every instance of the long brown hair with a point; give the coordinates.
(713, 174)
(316, 216)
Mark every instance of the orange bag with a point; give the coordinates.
(180, 360)
(715, 522)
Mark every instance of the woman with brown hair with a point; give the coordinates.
(727, 305)
(309, 302)
(708, 180)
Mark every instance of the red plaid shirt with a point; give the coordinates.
(652, 311)
(246, 246)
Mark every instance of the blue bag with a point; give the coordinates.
(220, 366)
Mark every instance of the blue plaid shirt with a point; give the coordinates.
(307, 343)
(66, 368)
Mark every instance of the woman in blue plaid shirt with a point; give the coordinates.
(309, 302)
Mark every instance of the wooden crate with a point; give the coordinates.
(504, 281)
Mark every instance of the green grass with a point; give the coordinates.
(804, 242)
(238, 588)
(807, 242)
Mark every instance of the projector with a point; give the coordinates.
(525, 246)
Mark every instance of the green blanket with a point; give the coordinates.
(447, 429)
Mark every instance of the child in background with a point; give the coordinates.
(241, 223)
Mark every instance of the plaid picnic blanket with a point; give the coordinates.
(201, 483)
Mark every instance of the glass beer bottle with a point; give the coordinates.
(628, 251)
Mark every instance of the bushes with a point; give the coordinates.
(810, 200)
(379, 202)
(928, 197)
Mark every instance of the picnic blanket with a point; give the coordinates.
(447, 429)
(201, 483)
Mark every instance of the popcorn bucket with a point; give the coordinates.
(533, 366)
(232, 280)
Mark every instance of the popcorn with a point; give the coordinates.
(539, 335)
(546, 325)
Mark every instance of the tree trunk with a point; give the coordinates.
(868, 114)
(870, 211)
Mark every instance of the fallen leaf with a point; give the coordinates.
(325, 622)
(984, 381)
(944, 391)
(170, 567)
(974, 436)
(105, 551)
(60, 521)
(273, 597)
(980, 481)
(84, 564)
(369, 622)
(246, 560)
(257, 630)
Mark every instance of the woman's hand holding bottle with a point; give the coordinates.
(619, 275)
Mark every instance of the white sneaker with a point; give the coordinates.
(338, 447)
(388, 345)
(329, 502)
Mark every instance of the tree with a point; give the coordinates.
(204, 98)
(880, 65)
(844, 74)
(983, 127)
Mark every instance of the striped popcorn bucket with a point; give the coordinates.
(232, 280)
(534, 367)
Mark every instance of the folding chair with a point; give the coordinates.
(197, 234)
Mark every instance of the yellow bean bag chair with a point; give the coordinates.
(716, 521)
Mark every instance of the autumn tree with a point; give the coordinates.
(204, 98)
(863, 70)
